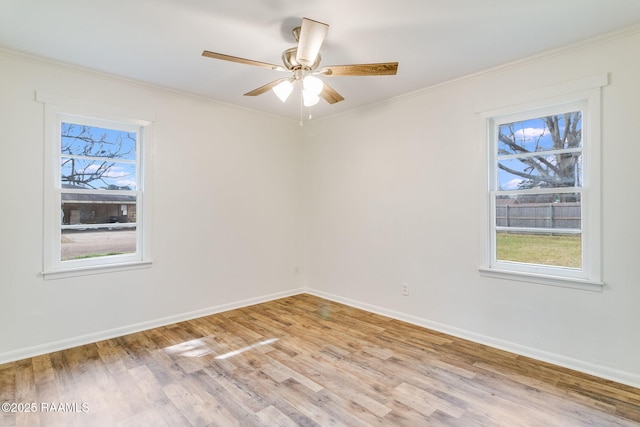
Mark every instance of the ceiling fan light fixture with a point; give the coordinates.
(312, 84)
(309, 99)
(283, 90)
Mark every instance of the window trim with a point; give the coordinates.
(58, 109)
(588, 93)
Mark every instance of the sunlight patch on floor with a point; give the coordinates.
(200, 347)
(243, 349)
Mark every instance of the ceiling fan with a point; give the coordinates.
(303, 61)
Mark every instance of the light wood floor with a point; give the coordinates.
(304, 361)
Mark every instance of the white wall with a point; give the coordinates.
(395, 194)
(226, 209)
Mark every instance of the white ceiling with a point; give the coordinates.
(161, 41)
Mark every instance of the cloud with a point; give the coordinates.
(126, 183)
(527, 134)
(89, 169)
(115, 174)
(512, 184)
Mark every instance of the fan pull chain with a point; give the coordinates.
(301, 106)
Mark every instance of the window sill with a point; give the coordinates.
(94, 269)
(542, 279)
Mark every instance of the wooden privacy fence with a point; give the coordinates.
(539, 215)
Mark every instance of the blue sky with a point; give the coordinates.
(534, 136)
(113, 146)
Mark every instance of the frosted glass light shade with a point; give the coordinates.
(283, 90)
(312, 84)
(309, 99)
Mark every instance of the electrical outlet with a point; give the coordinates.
(404, 288)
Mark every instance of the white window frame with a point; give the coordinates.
(58, 110)
(582, 96)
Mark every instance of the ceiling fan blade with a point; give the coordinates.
(265, 88)
(224, 57)
(330, 95)
(312, 34)
(379, 69)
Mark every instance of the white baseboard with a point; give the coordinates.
(604, 372)
(37, 350)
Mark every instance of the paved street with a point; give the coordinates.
(86, 243)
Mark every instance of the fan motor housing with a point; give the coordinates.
(289, 60)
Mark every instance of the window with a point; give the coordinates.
(543, 193)
(95, 216)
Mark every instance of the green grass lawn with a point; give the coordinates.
(564, 251)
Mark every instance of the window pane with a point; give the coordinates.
(97, 209)
(557, 132)
(545, 171)
(97, 174)
(559, 210)
(543, 249)
(93, 243)
(91, 141)
(522, 141)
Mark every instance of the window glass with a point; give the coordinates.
(542, 152)
(560, 250)
(549, 170)
(98, 191)
(538, 191)
(82, 243)
(97, 158)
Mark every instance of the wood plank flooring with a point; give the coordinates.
(303, 361)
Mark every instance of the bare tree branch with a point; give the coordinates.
(80, 140)
(550, 171)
